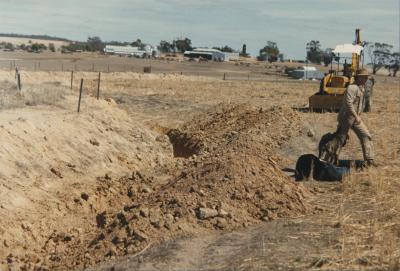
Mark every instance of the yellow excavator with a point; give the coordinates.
(334, 84)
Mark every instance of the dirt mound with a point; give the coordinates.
(230, 180)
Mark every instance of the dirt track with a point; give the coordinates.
(149, 106)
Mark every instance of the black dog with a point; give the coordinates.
(310, 166)
(330, 146)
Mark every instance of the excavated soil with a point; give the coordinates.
(226, 177)
(159, 162)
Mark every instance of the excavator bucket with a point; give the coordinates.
(323, 103)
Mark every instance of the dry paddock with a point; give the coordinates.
(52, 155)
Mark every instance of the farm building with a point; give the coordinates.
(231, 56)
(211, 54)
(307, 73)
(129, 50)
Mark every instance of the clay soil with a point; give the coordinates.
(185, 172)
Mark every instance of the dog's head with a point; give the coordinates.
(304, 166)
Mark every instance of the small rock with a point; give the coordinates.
(84, 196)
(101, 220)
(221, 223)
(26, 226)
(144, 212)
(206, 213)
(131, 192)
(223, 213)
(71, 165)
(155, 221)
(310, 133)
(110, 101)
(122, 219)
(169, 218)
(140, 235)
(111, 252)
(116, 240)
(10, 258)
(94, 142)
(145, 189)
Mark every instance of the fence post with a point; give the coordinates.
(80, 96)
(98, 87)
(72, 78)
(19, 81)
(224, 76)
(16, 72)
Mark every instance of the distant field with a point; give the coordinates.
(19, 41)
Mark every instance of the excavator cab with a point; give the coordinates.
(334, 84)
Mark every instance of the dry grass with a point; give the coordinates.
(31, 95)
(369, 219)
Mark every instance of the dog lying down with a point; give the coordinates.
(309, 166)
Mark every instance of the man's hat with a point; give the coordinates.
(362, 72)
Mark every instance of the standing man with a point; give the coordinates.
(349, 116)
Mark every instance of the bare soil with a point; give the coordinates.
(182, 172)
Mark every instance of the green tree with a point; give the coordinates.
(244, 53)
(379, 53)
(181, 45)
(270, 51)
(225, 48)
(94, 44)
(394, 64)
(37, 47)
(165, 47)
(9, 46)
(314, 52)
(327, 56)
(138, 43)
(52, 48)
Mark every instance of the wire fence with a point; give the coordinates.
(155, 67)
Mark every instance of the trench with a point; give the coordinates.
(183, 144)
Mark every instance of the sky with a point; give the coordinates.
(208, 23)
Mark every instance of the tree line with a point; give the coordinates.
(179, 45)
(30, 47)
